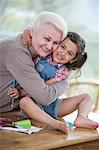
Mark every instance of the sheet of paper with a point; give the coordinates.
(71, 117)
(29, 131)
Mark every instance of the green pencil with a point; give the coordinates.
(13, 86)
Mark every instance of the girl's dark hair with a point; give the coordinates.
(81, 55)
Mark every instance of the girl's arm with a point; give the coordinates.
(22, 92)
(51, 81)
(16, 93)
(61, 74)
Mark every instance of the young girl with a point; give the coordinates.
(70, 55)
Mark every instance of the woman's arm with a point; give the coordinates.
(20, 64)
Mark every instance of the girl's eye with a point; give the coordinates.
(70, 53)
(62, 46)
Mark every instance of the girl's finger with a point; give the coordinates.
(13, 95)
(16, 96)
(12, 89)
(11, 92)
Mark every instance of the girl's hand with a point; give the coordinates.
(13, 92)
(62, 74)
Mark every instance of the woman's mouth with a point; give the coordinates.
(46, 50)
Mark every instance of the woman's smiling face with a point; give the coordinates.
(45, 39)
(65, 52)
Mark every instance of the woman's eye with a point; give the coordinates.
(56, 43)
(47, 39)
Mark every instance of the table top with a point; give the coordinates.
(48, 138)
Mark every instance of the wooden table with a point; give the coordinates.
(78, 139)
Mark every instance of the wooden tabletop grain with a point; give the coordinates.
(46, 139)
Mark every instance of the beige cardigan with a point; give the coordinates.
(16, 63)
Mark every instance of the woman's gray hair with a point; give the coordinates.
(54, 19)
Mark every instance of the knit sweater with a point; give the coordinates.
(16, 63)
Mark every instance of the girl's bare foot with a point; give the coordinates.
(62, 126)
(84, 122)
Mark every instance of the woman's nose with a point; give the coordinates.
(50, 45)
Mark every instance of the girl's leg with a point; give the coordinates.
(84, 104)
(34, 112)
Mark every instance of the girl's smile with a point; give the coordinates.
(65, 52)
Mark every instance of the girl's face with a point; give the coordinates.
(65, 52)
